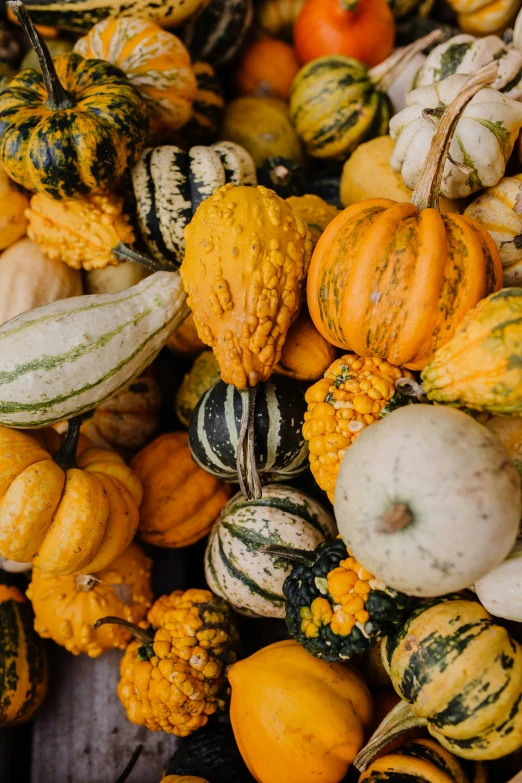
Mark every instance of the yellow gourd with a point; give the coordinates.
(485, 17)
(13, 203)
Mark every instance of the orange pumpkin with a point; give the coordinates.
(267, 68)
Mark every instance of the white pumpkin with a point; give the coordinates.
(483, 140)
(500, 591)
(235, 569)
(427, 500)
(115, 278)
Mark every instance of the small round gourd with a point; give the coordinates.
(305, 355)
(428, 500)
(267, 68)
(500, 591)
(483, 17)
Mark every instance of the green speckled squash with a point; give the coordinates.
(203, 374)
(72, 129)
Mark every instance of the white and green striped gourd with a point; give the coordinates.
(235, 568)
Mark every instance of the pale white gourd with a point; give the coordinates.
(483, 140)
(29, 279)
(500, 591)
(428, 500)
(115, 278)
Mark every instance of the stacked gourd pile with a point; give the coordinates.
(186, 166)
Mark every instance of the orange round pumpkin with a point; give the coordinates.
(267, 68)
(363, 29)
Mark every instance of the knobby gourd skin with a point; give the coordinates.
(315, 211)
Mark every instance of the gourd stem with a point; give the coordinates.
(410, 388)
(65, 457)
(397, 517)
(289, 553)
(84, 583)
(139, 633)
(249, 481)
(349, 5)
(281, 175)
(384, 74)
(427, 193)
(124, 253)
(57, 97)
(399, 721)
(131, 764)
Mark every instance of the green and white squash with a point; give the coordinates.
(219, 31)
(235, 569)
(428, 500)
(500, 591)
(169, 185)
(69, 356)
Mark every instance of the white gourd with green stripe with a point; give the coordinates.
(235, 569)
(69, 356)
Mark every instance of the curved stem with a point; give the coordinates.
(139, 633)
(384, 74)
(399, 721)
(65, 457)
(249, 481)
(131, 764)
(289, 553)
(124, 253)
(427, 192)
(57, 97)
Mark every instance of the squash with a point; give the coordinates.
(155, 61)
(24, 663)
(180, 501)
(115, 278)
(182, 779)
(72, 129)
(66, 607)
(172, 676)
(219, 31)
(305, 355)
(203, 374)
(394, 280)
(509, 430)
(125, 332)
(283, 176)
(362, 29)
(213, 752)
(30, 279)
(315, 211)
(462, 523)
(68, 515)
(207, 109)
(483, 139)
(267, 68)
(281, 452)
(277, 17)
(500, 591)
(185, 341)
(296, 717)
(169, 184)
(55, 45)
(263, 127)
(13, 203)
(496, 211)
(235, 567)
(325, 183)
(415, 8)
(482, 17)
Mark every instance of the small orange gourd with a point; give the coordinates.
(267, 68)
(305, 355)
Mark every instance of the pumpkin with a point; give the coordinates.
(125, 333)
(283, 176)
(72, 129)
(268, 68)
(169, 184)
(28, 279)
(296, 717)
(277, 17)
(428, 542)
(480, 17)
(235, 566)
(185, 341)
(180, 500)
(280, 450)
(315, 211)
(340, 407)
(203, 374)
(172, 678)
(6, 74)
(155, 61)
(496, 211)
(66, 607)
(115, 278)
(68, 515)
(362, 29)
(394, 280)
(207, 109)
(219, 31)
(213, 752)
(482, 143)
(13, 203)
(24, 664)
(305, 355)
(479, 367)
(55, 45)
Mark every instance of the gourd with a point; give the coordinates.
(172, 677)
(496, 211)
(485, 16)
(487, 375)
(315, 211)
(24, 663)
(207, 109)
(236, 567)
(280, 450)
(263, 127)
(482, 143)
(66, 607)
(203, 374)
(332, 119)
(68, 514)
(277, 17)
(283, 176)
(154, 60)
(114, 278)
(213, 752)
(169, 184)
(305, 355)
(13, 203)
(180, 500)
(182, 779)
(125, 330)
(500, 591)
(267, 67)
(296, 717)
(403, 8)
(6, 74)
(219, 31)
(462, 523)
(364, 30)
(185, 341)
(29, 279)
(73, 128)
(243, 299)
(509, 430)
(325, 183)
(411, 274)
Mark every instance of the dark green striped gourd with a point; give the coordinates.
(218, 33)
(235, 568)
(169, 184)
(207, 109)
(210, 753)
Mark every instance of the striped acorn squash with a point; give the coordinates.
(218, 33)
(23, 665)
(235, 569)
(207, 109)
(169, 185)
